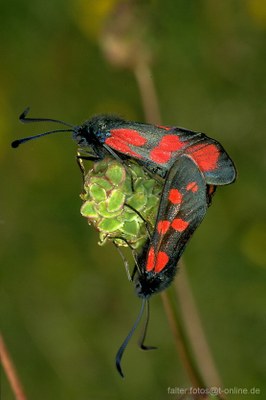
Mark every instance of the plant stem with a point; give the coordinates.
(10, 371)
(199, 376)
(181, 342)
(143, 76)
(194, 328)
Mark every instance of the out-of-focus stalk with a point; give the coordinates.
(10, 371)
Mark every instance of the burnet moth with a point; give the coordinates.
(191, 165)
(184, 202)
(155, 147)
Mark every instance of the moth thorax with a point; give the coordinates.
(147, 284)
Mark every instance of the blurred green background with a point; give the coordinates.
(65, 303)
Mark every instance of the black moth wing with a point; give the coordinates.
(128, 139)
(183, 205)
(156, 147)
(185, 177)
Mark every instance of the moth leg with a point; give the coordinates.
(80, 158)
(147, 225)
(135, 269)
(122, 161)
(125, 261)
(155, 174)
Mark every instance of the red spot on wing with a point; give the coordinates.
(150, 259)
(159, 156)
(156, 263)
(161, 261)
(163, 226)
(206, 156)
(162, 153)
(175, 197)
(170, 143)
(121, 146)
(192, 186)
(179, 224)
(129, 136)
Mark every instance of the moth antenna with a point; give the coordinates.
(122, 348)
(18, 142)
(23, 119)
(144, 333)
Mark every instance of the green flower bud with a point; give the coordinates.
(117, 199)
